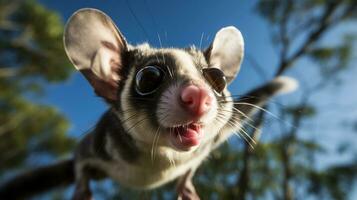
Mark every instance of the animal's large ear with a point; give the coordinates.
(96, 47)
(226, 52)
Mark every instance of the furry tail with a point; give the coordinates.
(38, 180)
(261, 95)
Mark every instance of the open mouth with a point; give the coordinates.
(187, 136)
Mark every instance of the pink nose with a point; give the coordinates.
(196, 100)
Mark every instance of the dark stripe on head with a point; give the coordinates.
(148, 103)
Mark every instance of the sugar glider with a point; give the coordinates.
(168, 107)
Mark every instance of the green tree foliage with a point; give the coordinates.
(31, 55)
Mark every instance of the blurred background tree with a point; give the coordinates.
(31, 56)
(282, 166)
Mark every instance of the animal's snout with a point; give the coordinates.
(196, 100)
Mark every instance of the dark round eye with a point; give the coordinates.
(148, 79)
(216, 78)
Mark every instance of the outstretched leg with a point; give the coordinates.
(82, 188)
(185, 188)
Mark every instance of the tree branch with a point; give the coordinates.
(244, 179)
(285, 42)
(256, 67)
(324, 25)
(38, 180)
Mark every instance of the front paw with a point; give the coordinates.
(82, 194)
(188, 195)
(187, 192)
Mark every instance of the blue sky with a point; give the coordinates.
(182, 24)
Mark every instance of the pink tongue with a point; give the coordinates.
(187, 136)
(189, 132)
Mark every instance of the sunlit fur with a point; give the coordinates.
(131, 142)
(163, 162)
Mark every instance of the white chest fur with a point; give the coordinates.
(147, 173)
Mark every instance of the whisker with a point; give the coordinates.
(240, 135)
(249, 124)
(163, 56)
(239, 112)
(238, 119)
(157, 58)
(245, 132)
(220, 118)
(171, 160)
(201, 39)
(255, 106)
(179, 137)
(152, 146)
(156, 137)
(237, 133)
(129, 118)
(158, 35)
(137, 123)
(246, 97)
(246, 136)
(266, 111)
(170, 73)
